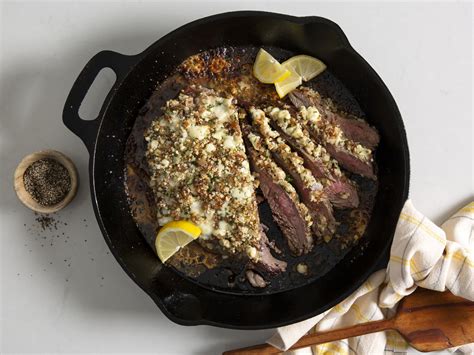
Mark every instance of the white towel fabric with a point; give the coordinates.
(422, 254)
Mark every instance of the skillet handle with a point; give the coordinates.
(87, 130)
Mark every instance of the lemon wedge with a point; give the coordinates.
(267, 69)
(306, 66)
(173, 236)
(294, 80)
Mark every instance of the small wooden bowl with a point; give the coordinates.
(26, 198)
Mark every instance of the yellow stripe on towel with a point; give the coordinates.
(413, 220)
(330, 348)
(460, 257)
(468, 208)
(405, 262)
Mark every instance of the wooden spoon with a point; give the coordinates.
(428, 320)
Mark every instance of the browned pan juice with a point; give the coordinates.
(228, 70)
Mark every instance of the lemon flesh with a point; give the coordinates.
(267, 69)
(173, 236)
(287, 85)
(306, 66)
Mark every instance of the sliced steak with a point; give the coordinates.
(288, 212)
(354, 128)
(351, 162)
(344, 193)
(321, 211)
(358, 131)
(298, 98)
(349, 154)
(310, 189)
(267, 263)
(316, 166)
(349, 140)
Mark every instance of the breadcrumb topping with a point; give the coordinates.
(333, 134)
(290, 158)
(199, 171)
(293, 128)
(292, 161)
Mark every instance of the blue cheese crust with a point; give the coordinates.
(199, 171)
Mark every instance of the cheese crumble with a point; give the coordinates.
(199, 171)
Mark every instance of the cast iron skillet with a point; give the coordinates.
(186, 302)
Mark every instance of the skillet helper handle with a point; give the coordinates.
(318, 338)
(87, 130)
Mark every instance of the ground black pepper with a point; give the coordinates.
(46, 222)
(47, 181)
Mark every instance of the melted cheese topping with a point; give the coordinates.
(292, 127)
(291, 159)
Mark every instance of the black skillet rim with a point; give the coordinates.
(380, 260)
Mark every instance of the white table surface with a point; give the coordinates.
(72, 296)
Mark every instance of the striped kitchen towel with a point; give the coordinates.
(422, 255)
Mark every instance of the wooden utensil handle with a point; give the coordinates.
(318, 338)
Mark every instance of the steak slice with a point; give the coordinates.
(341, 192)
(267, 263)
(321, 211)
(348, 139)
(354, 128)
(351, 162)
(358, 130)
(299, 99)
(289, 213)
(286, 214)
(349, 154)
(309, 188)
